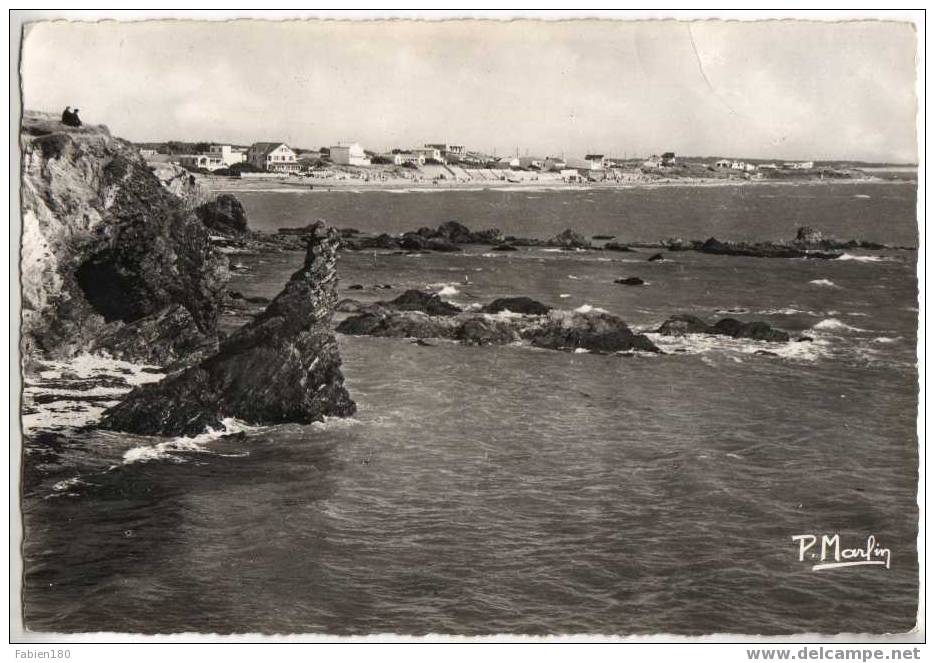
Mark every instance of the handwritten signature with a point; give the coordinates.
(830, 554)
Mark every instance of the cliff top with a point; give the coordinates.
(38, 123)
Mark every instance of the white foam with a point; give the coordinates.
(827, 283)
(587, 308)
(835, 325)
(564, 296)
(70, 409)
(887, 339)
(735, 348)
(861, 195)
(448, 291)
(851, 256)
(164, 450)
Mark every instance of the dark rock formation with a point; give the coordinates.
(616, 246)
(595, 330)
(398, 324)
(679, 325)
(600, 237)
(224, 215)
(417, 242)
(656, 257)
(504, 247)
(282, 367)
(523, 305)
(569, 239)
(486, 331)
(416, 300)
(761, 250)
(592, 330)
(105, 245)
(631, 280)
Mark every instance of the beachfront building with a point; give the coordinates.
(205, 161)
(350, 154)
(429, 153)
(723, 163)
(505, 163)
(570, 175)
(273, 157)
(668, 159)
(556, 164)
(531, 163)
(743, 165)
(228, 154)
(596, 161)
(767, 166)
(148, 152)
(654, 161)
(448, 151)
(400, 158)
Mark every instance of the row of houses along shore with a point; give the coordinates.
(435, 160)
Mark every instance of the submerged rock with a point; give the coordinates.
(616, 246)
(679, 325)
(656, 257)
(631, 280)
(282, 367)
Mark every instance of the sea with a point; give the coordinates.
(514, 490)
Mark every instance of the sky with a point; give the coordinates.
(769, 89)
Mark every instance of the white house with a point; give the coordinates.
(655, 161)
(351, 154)
(273, 157)
(446, 149)
(743, 165)
(205, 161)
(723, 163)
(554, 163)
(146, 152)
(429, 153)
(570, 175)
(403, 158)
(227, 154)
(531, 162)
(597, 161)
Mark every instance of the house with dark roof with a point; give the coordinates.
(273, 157)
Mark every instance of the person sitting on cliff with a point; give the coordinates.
(70, 118)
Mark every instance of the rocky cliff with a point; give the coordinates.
(283, 366)
(113, 257)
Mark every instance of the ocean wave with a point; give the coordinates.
(827, 283)
(448, 291)
(167, 450)
(835, 325)
(851, 256)
(887, 339)
(587, 308)
(736, 348)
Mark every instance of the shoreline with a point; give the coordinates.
(291, 184)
